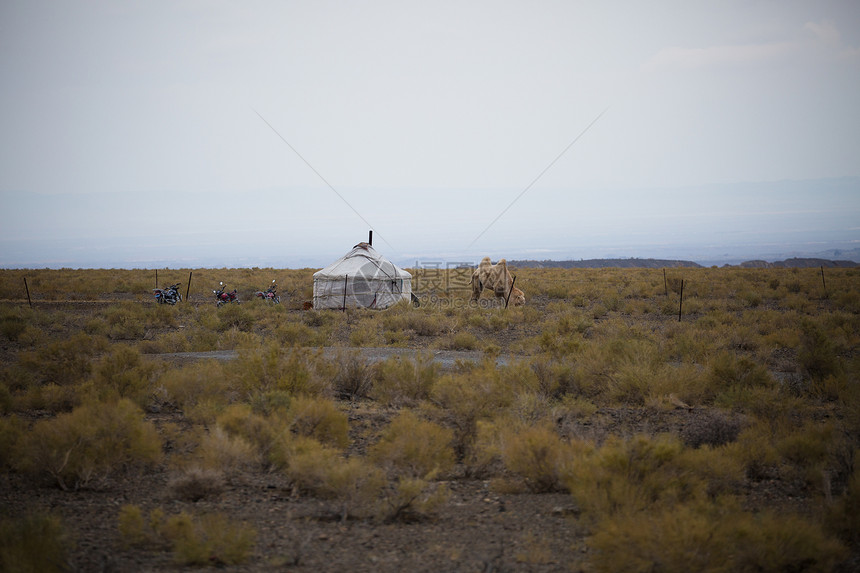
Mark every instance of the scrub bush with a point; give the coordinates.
(209, 539)
(241, 424)
(91, 442)
(200, 389)
(414, 448)
(399, 381)
(354, 377)
(354, 484)
(460, 341)
(319, 418)
(35, 543)
(461, 400)
(412, 498)
(817, 355)
(272, 367)
(121, 374)
(632, 475)
(711, 538)
(64, 362)
(843, 516)
(12, 323)
(538, 455)
(194, 483)
(711, 428)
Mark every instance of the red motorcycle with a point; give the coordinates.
(270, 294)
(224, 297)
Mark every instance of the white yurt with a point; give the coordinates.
(362, 278)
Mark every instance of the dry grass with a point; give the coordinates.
(765, 368)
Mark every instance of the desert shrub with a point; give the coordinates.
(126, 321)
(271, 402)
(518, 377)
(843, 516)
(11, 430)
(422, 323)
(711, 428)
(554, 378)
(228, 452)
(531, 408)
(632, 475)
(48, 397)
(240, 422)
(538, 455)
(193, 483)
(272, 367)
(297, 334)
(121, 374)
(134, 531)
(459, 341)
(817, 355)
(755, 451)
(413, 447)
(210, 539)
(354, 484)
(620, 370)
(92, 441)
(319, 418)
(12, 324)
(707, 537)
(764, 403)
(236, 339)
(399, 381)
(354, 377)
(35, 543)
(729, 371)
(558, 345)
(808, 450)
(411, 499)
(234, 316)
(63, 362)
(460, 400)
(304, 460)
(200, 389)
(752, 298)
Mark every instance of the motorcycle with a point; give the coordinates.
(224, 297)
(169, 295)
(270, 294)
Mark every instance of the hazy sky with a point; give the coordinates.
(131, 132)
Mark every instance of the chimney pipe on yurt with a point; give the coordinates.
(370, 237)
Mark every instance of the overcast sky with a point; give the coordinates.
(155, 132)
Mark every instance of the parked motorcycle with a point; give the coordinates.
(270, 294)
(224, 297)
(169, 295)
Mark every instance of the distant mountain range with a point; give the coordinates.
(795, 262)
(604, 263)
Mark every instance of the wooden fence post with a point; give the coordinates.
(188, 289)
(681, 301)
(823, 283)
(507, 298)
(26, 288)
(665, 283)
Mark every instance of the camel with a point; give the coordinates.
(498, 279)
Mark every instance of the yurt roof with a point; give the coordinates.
(363, 260)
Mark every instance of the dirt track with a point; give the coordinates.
(447, 359)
